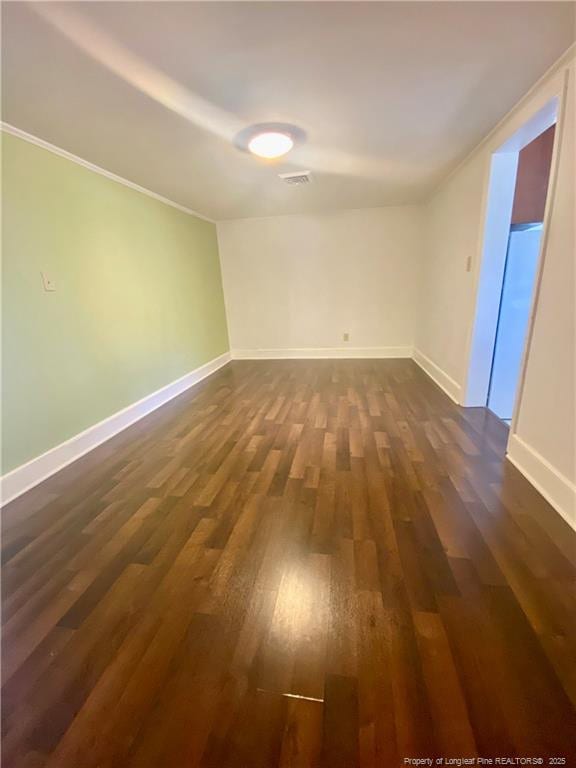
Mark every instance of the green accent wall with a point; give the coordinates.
(138, 300)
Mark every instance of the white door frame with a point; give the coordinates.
(497, 214)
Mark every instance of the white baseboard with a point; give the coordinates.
(28, 475)
(554, 487)
(321, 353)
(445, 382)
(558, 490)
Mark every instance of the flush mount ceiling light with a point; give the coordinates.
(270, 144)
(269, 140)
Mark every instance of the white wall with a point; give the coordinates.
(542, 442)
(295, 284)
(398, 277)
(451, 226)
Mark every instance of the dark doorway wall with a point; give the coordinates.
(534, 164)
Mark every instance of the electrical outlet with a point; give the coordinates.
(47, 283)
(346, 336)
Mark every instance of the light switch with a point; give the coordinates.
(47, 282)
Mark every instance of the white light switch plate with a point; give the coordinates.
(47, 282)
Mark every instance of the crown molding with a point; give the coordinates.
(19, 133)
(565, 60)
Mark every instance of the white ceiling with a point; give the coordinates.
(391, 94)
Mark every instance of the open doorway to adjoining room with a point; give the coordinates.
(515, 215)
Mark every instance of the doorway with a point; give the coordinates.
(510, 263)
(520, 266)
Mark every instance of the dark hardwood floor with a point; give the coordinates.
(297, 563)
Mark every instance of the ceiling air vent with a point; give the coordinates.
(299, 177)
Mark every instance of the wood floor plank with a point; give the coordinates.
(295, 564)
